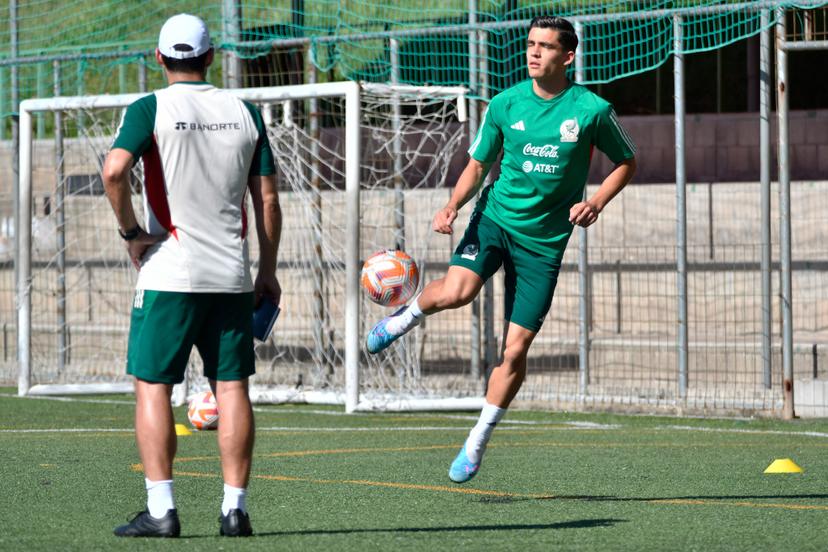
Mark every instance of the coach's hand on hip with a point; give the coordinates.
(138, 246)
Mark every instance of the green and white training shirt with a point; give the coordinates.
(547, 146)
(199, 144)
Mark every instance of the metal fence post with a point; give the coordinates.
(765, 206)
(584, 295)
(681, 206)
(474, 91)
(15, 134)
(231, 14)
(60, 227)
(142, 75)
(784, 216)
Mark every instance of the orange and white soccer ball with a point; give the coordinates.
(390, 277)
(203, 411)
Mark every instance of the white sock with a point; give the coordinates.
(406, 320)
(234, 497)
(482, 431)
(159, 497)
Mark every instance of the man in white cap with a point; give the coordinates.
(203, 150)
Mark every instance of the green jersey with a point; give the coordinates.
(547, 146)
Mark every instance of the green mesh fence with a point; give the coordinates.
(99, 46)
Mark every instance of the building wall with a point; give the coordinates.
(722, 147)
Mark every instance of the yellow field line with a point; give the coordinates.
(698, 502)
(486, 492)
(406, 486)
(560, 444)
(521, 444)
(462, 490)
(322, 452)
(387, 484)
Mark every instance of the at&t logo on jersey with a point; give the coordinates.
(545, 168)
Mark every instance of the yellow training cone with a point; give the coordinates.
(783, 465)
(181, 429)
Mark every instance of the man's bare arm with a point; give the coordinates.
(586, 212)
(115, 176)
(467, 186)
(265, 196)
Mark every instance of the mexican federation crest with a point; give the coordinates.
(569, 130)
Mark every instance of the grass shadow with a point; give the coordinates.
(575, 524)
(603, 498)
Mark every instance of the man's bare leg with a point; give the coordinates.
(155, 435)
(236, 434)
(506, 379)
(457, 288)
(504, 383)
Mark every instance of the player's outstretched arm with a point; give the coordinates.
(464, 190)
(264, 193)
(586, 212)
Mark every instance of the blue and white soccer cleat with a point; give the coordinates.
(462, 469)
(379, 338)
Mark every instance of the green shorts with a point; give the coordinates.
(165, 325)
(530, 277)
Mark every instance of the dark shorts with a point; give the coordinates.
(165, 325)
(530, 277)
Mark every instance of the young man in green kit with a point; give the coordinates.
(547, 128)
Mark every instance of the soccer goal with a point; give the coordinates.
(360, 167)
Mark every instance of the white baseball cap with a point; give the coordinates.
(184, 36)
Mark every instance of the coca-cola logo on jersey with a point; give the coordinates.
(547, 150)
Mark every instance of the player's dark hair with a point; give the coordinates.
(189, 65)
(566, 32)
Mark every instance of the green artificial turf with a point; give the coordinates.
(323, 480)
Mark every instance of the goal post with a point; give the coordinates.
(350, 156)
(348, 90)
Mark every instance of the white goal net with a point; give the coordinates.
(356, 176)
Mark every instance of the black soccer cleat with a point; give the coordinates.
(235, 524)
(144, 525)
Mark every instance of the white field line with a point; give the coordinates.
(504, 424)
(296, 429)
(69, 430)
(751, 431)
(473, 418)
(553, 427)
(273, 410)
(68, 399)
